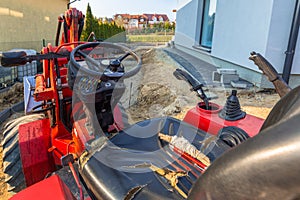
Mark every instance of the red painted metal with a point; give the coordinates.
(209, 120)
(74, 173)
(44, 142)
(39, 83)
(48, 189)
(62, 140)
(191, 159)
(34, 141)
(118, 117)
(80, 135)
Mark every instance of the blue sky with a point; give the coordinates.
(108, 8)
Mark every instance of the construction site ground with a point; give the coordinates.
(156, 92)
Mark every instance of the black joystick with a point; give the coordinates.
(232, 109)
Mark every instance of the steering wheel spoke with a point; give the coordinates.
(121, 58)
(91, 62)
(96, 68)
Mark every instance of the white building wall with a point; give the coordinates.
(241, 27)
(133, 23)
(186, 23)
(278, 37)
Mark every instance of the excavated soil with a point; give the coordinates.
(156, 92)
(159, 93)
(11, 96)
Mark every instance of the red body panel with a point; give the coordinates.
(80, 135)
(48, 189)
(209, 121)
(34, 141)
(118, 117)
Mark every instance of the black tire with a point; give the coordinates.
(12, 165)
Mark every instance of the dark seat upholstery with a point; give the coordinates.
(263, 167)
(118, 169)
(285, 108)
(266, 166)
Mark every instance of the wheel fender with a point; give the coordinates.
(48, 189)
(34, 142)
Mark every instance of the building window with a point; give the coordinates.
(154, 19)
(208, 19)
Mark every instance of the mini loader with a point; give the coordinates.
(75, 141)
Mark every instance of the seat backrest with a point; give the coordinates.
(286, 107)
(266, 166)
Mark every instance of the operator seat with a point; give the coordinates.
(263, 167)
(286, 107)
(119, 169)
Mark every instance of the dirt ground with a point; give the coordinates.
(11, 96)
(160, 94)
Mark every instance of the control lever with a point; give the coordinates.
(196, 86)
(280, 85)
(17, 58)
(10, 59)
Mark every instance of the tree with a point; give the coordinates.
(167, 25)
(91, 23)
(102, 28)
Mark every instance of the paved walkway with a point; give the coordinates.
(201, 70)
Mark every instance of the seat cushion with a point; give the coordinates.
(123, 166)
(285, 108)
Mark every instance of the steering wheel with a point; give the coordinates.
(95, 68)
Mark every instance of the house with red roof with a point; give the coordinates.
(140, 21)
